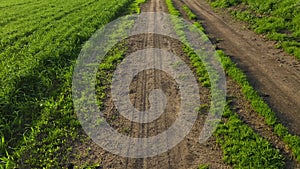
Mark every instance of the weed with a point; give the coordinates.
(203, 166)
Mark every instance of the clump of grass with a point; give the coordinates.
(135, 6)
(189, 13)
(203, 166)
(243, 148)
(171, 8)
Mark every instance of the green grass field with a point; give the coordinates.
(40, 41)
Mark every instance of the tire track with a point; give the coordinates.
(137, 102)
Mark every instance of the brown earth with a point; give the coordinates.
(275, 74)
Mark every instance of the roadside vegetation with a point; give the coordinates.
(278, 20)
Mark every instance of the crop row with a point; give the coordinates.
(8, 3)
(10, 14)
(19, 31)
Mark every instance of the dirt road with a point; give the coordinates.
(275, 74)
(189, 153)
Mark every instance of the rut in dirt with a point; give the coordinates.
(275, 74)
